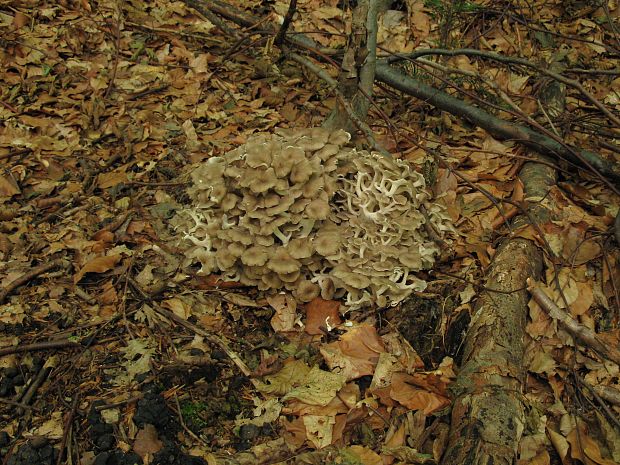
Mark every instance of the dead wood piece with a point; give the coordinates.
(610, 394)
(498, 128)
(217, 22)
(36, 271)
(42, 375)
(67, 426)
(131, 400)
(582, 333)
(488, 417)
(46, 345)
(292, 7)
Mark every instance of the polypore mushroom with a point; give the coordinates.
(327, 242)
(306, 291)
(262, 180)
(255, 256)
(300, 248)
(281, 262)
(225, 260)
(339, 137)
(352, 279)
(299, 210)
(283, 162)
(257, 155)
(301, 172)
(318, 209)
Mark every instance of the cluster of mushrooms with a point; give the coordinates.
(301, 211)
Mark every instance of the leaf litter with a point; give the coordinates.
(104, 104)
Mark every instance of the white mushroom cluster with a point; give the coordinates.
(300, 210)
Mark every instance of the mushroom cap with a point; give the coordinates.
(352, 279)
(328, 288)
(257, 154)
(225, 260)
(301, 171)
(236, 249)
(327, 243)
(339, 137)
(272, 280)
(289, 278)
(256, 255)
(411, 259)
(285, 202)
(318, 209)
(310, 144)
(327, 152)
(254, 272)
(229, 201)
(300, 248)
(212, 171)
(306, 291)
(299, 205)
(262, 180)
(238, 235)
(283, 162)
(314, 185)
(281, 262)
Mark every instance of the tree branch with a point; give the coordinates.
(497, 127)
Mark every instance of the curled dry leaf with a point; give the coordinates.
(97, 265)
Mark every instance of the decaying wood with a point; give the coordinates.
(498, 128)
(580, 332)
(488, 416)
(27, 277)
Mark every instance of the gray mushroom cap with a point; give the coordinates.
(281, 262)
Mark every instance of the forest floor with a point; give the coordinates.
(104, 106)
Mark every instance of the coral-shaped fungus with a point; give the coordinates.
(302, 211)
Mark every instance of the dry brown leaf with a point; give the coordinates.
(322, 314)
(286, 312)
(404, 391)
(178, 307)
(98, 265)
(356, 353)
(366, 455)
(8, 188)
(147, 441)
(111, 179)
(584, 448)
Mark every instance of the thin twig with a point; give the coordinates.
(120, 403)
(219, 341)
(17, 404)
(25, 278)
(515, 61)
(601, 402)
(67, 426)
(281, 35)
(46, 345)
(580, 332)
(35, 384)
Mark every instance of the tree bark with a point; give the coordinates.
(488, 417)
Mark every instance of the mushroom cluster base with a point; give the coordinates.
(300, 210)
